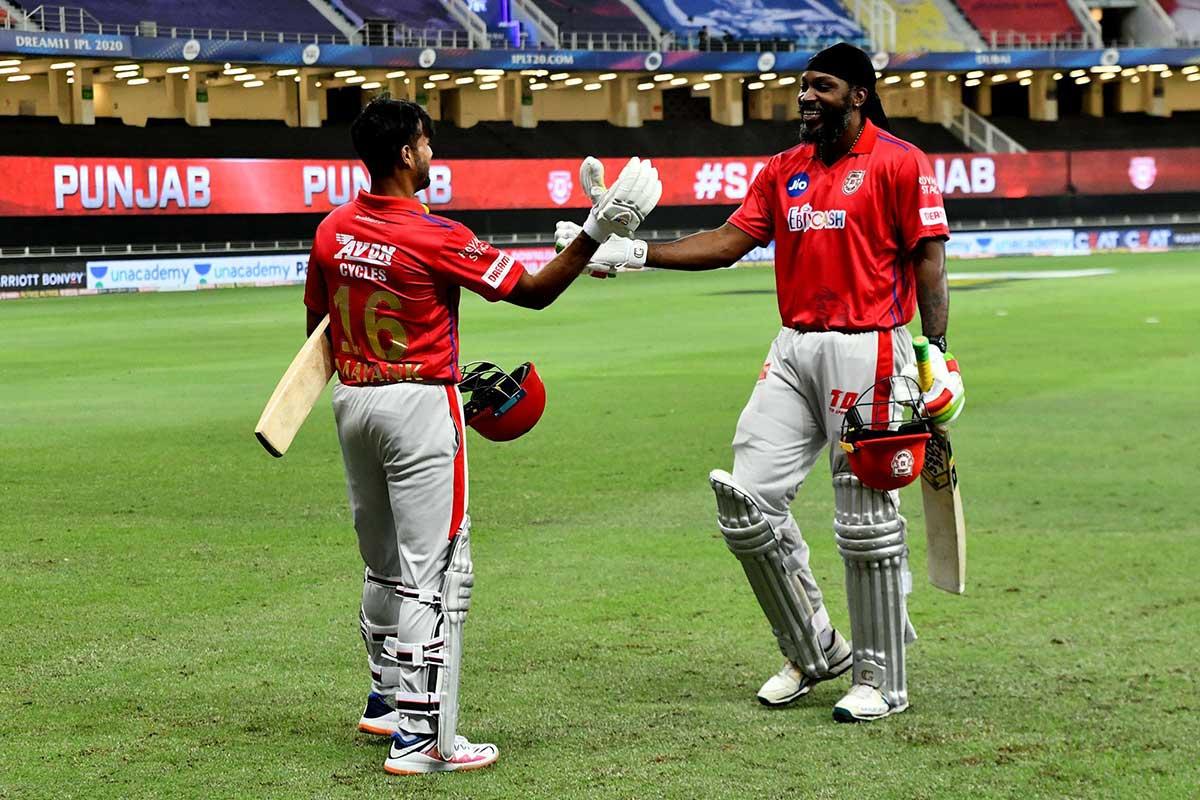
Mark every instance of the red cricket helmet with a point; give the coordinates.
(886, 451)
(502, 405)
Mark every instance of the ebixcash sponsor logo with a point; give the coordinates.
(806, 218)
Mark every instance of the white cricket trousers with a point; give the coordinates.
(807, 384)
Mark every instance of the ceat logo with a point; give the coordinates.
(797, 184)
(560, 186)
(902, 464)
(1142, 172)
(854, 179)
(363, 252)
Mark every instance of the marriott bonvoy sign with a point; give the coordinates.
(52, 186)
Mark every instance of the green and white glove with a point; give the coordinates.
(621, 209)
(945, 399)
(616, 255)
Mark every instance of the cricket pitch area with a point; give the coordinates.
(180, 609)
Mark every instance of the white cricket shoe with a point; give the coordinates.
(791, 684)
(862, 704)
(417, 753)
(378, 718)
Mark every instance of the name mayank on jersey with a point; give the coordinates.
(363, 252)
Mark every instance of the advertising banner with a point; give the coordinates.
(49, 186)
(27, 277)
(181, 274)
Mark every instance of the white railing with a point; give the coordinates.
(1024, 40)
(67, 19)
(878, 19)
(975, 131)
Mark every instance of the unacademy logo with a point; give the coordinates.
(202, 270)
(98, 274)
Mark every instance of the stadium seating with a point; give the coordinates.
(921, 27)
(814, 21)
(289, 16)
(1110, 132)
(417, 14)
(1186, 16)
(600, 16)
(1027, 21)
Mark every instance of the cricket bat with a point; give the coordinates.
(945, 529)
(296, 393)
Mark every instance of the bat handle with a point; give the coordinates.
(924, 370)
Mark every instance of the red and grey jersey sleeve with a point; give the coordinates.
(757, 213)
(466, 260)
(316, 294)
(920, 211)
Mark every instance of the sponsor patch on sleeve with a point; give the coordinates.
(498, 270)
(933, 216)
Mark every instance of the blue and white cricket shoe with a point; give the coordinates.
(417, 753)
(379, 718)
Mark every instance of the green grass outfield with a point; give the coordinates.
(178, 611)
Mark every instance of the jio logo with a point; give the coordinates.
(797, 184)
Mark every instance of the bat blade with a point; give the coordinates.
(296, 393)
(945, 527)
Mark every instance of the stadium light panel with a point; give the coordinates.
(700, 87)
(489, 72)
(916, 84)
(537, 87)
(317, 84)
(484, 87)
(1166, 73)
(284, 73)
(666, 76)
(425, 85)
(441, 76)
(916, 76)
(788, 81)
(1058, 76)
(951, 78)
(678, 81)
(463, 81)
(9, 70)
(892, 79)
(978, 73)
(999, 78)
(252, 84)
(1137, 79)
(645, 87)
(1081, 81)
(70, 80)
(572, 81)
(356, 79)
(713, 76)
(63, 65)
(122, 67)
(1077, 73)
(18, 78)
(10, 62)
(138, 81)
(345, 73)
(1025, 73)
(234, 71)
(591, 87)
(537, 73)
(1026, 81)
(492, 79)
(178, 70)
(371, 85)
(608, 76)
(188, 77)
(1186, 70)
(1195, 76)
(560, 76)
(1157, 67)
(397, 74)
(1108, 76)
(249, 76)
(971, 82)
(768, 76)
(1142, 68)
(755, 86)
(296, 79)
(125, 75)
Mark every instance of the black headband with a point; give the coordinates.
(852, 65)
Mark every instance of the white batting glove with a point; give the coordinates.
(945, 399)
(616, 255)
(621, 209)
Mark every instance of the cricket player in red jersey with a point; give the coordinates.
(389, 274)
(859, 230)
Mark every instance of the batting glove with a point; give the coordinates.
(616, 255)
(944, 400)
(620, 210)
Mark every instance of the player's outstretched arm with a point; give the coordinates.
(705, 250)
(540, 290)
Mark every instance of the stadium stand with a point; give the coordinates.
(1110, 132)
(600, 16)
(418, 14)
(296, 16)
(1186, 16)
(1032, 21)
(815, 22)
(922, 26)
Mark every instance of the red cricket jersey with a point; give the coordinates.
(389, 274)
(844, 235)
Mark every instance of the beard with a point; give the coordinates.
(834, 121)
(423, 178)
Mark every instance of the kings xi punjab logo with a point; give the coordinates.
(560, 186)
(1142, 172)
(854, 179)
(902, 464)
